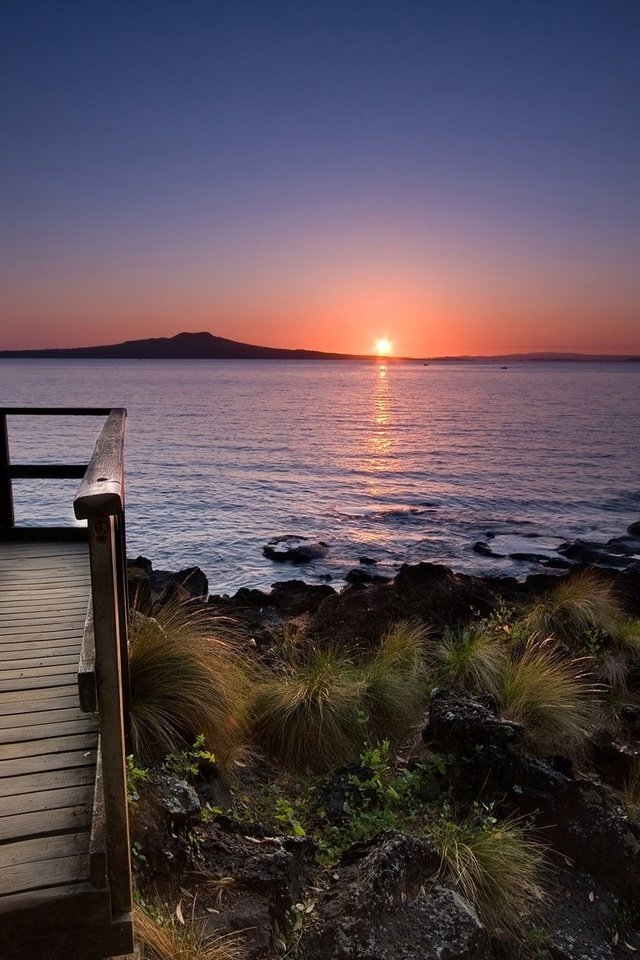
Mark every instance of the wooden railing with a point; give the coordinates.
(100, 501)
(34, 471)
(103, 671)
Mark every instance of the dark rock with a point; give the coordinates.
(143, 563)
(529, 557)
(630, 716)
(346, 785)
(614, 761)
(634, 528)
(293, 549)
(139, 589)
(364, 577)
(556, 563)
(368, 560)
(274, 867)
(581, 819)
(580, 924)
(388, 905)
(294, 597)
(250, 918)
(177, 799)
(483, 549)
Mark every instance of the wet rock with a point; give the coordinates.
(367, 560)
(634, 528)
(295, 597)
(364, 577)
(293, 549)
(483, 548)
(167, 585)
(388, 905)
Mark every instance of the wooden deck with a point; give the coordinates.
(47, 745)
(65, 873)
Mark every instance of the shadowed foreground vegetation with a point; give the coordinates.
(558, 668)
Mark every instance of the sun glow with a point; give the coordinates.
(383, 347)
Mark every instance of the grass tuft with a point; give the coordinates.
(308, 716)
(577, 606)
(185, 681)
(173, 941)
(470, 658)
(394, 680)
(498, 866)
(626, 635)
(551, 696)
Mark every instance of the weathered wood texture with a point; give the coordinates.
(47, 745)
(101, 492)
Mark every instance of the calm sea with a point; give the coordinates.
(395, 462)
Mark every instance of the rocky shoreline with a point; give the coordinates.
(387, 897)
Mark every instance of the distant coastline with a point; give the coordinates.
(206, 346)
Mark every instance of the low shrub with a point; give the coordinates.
(185, 681)
(550, 695)
(577, 606)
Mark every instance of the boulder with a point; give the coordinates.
(388, 904)
(634, 528)
(293, 549)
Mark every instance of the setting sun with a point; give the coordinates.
(383, 347)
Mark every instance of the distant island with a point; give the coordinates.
(206, 346)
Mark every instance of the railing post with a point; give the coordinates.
(122, 593)
(103, 549)
(6, 494)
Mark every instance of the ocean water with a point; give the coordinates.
(398, 462)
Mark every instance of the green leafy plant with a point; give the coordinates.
(186, 764)
(135, 776)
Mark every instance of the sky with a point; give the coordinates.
(459, 177)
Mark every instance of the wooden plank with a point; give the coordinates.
(101, 492)
(37, 660)
(24, 825)
(40, 534)
(45, 848)
(40, 718)
(27, 683)
(52, 761)
(49, 670)
(55, 411)
(46, 693)
(86, 725)
(63, 798)
(29, 783)
(31, 876)
(48, 746)
(87, 686)
(28, 647)
(98, 841)
(14, 707)
(69, 907)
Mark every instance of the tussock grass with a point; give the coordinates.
(626, 635)
(174, 941)
(185, 681)
(394, 679)
(470, 658)
(308, 716)
(319, 710)
(577, 605)
(612, 668)
(499, 867)
(550, 695)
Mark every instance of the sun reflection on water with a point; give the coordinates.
(380, 442)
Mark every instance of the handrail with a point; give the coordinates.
(100, 501)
